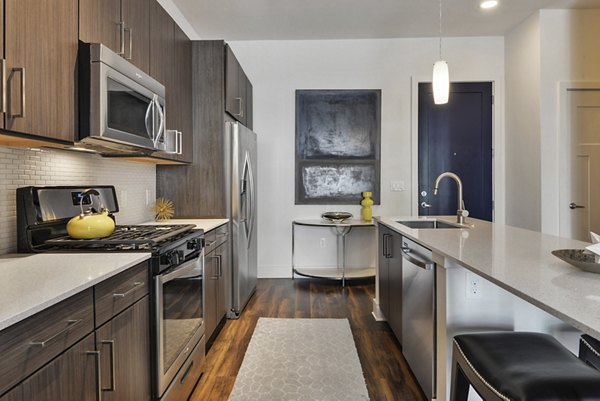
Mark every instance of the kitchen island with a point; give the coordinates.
(522, 285)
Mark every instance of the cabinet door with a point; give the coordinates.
(162, 50)
(383, 270)
(136, 16)
(395, 286)
(223, 293)
(41, 52)
(3, 106)
(182, 102)
(249, 106)
(211, 278)
(233, 97)
(124, 346)
(70, 377)
(99, 23)
(15, 394)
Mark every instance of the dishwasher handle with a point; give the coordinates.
(416, 259)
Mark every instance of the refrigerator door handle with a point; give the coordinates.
(252, 199)
(245, 193)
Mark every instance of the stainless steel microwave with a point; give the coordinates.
(121, 108)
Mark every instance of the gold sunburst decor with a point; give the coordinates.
(163, 209)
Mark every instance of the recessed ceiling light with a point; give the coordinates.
(488, 4)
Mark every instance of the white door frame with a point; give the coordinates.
(498, 156)
(563, 129)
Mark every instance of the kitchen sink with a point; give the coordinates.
(418, 224)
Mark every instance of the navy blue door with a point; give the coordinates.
(456, 137)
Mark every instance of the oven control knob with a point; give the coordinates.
(194, 244)
(174, 258)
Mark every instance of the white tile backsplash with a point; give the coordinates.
(24, 167)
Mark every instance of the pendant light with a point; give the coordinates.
(441, 77)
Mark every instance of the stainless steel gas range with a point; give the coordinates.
(176, 270)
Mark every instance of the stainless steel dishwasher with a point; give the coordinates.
(419, 314)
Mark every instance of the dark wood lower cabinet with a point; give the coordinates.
(390, 278)
(217, 288)
(70, 377)
(124, 344)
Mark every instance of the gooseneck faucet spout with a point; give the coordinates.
(461, 212)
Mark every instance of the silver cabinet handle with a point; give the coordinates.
(96, 355)
(112, 365)
(22, 113)
(121, 25)
(179, 142)
(425, 205)
(135, 286)
(574, 205)
(70, 325)
(3, 83)
(218, 273)
(241, 108)
(416, 260)
(130, 42)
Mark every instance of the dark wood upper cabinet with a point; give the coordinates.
(171, 65)
(238, 90)
(121, 25)
(40, 38)
(2, 105)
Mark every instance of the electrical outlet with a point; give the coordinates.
(147, 197)
(397, 186)
(473, 287)
(323, 243)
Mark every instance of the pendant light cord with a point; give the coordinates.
(440, 29)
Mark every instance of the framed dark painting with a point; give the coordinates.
(338, 152)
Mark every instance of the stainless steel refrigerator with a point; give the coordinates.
(241, 174)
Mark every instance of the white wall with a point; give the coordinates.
(523, 158)
(278, 68)
(550, 47)
(570, 53)
(23, 167)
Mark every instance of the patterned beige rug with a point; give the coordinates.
(301, 360)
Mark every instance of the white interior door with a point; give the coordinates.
(580, 166)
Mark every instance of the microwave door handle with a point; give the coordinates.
(161, 123)
(148, 118)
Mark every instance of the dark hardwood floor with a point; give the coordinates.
(384, 367)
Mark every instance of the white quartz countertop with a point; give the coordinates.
(205, 224)
(519, 261)
(32, 283)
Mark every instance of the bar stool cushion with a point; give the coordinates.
(528, 366)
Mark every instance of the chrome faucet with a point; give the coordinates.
(461, 212)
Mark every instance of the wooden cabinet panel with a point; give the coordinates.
(395, 286)
(57, 327)
(232, 90)
(218, 279)
(384, 271)
(41, 52)
(2, 54)
(15, 394)
(124, 343)
(182, 103)
(136, 16)
(70, 377)
(115, 294)
(162, 50)
(99, 22)
(210, 293)
(224, 293)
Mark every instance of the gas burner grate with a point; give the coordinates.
(126, 237)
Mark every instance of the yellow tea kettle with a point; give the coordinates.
(88, 224)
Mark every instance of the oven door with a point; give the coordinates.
(180, 317)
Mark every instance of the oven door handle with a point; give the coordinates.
(183, 270)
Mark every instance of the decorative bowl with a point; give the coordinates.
(336, 217)
(579, 258)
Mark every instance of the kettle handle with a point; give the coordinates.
(84, 194)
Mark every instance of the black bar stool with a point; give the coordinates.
(519, 366)
(589, 351)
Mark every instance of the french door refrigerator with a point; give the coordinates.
(241, 174)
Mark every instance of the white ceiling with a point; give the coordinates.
(351, 19)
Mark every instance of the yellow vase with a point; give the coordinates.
(366, 212)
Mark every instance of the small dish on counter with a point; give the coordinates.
(336, 217)
(579, 258)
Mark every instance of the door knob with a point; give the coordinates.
(425, 205)
(574, 205)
